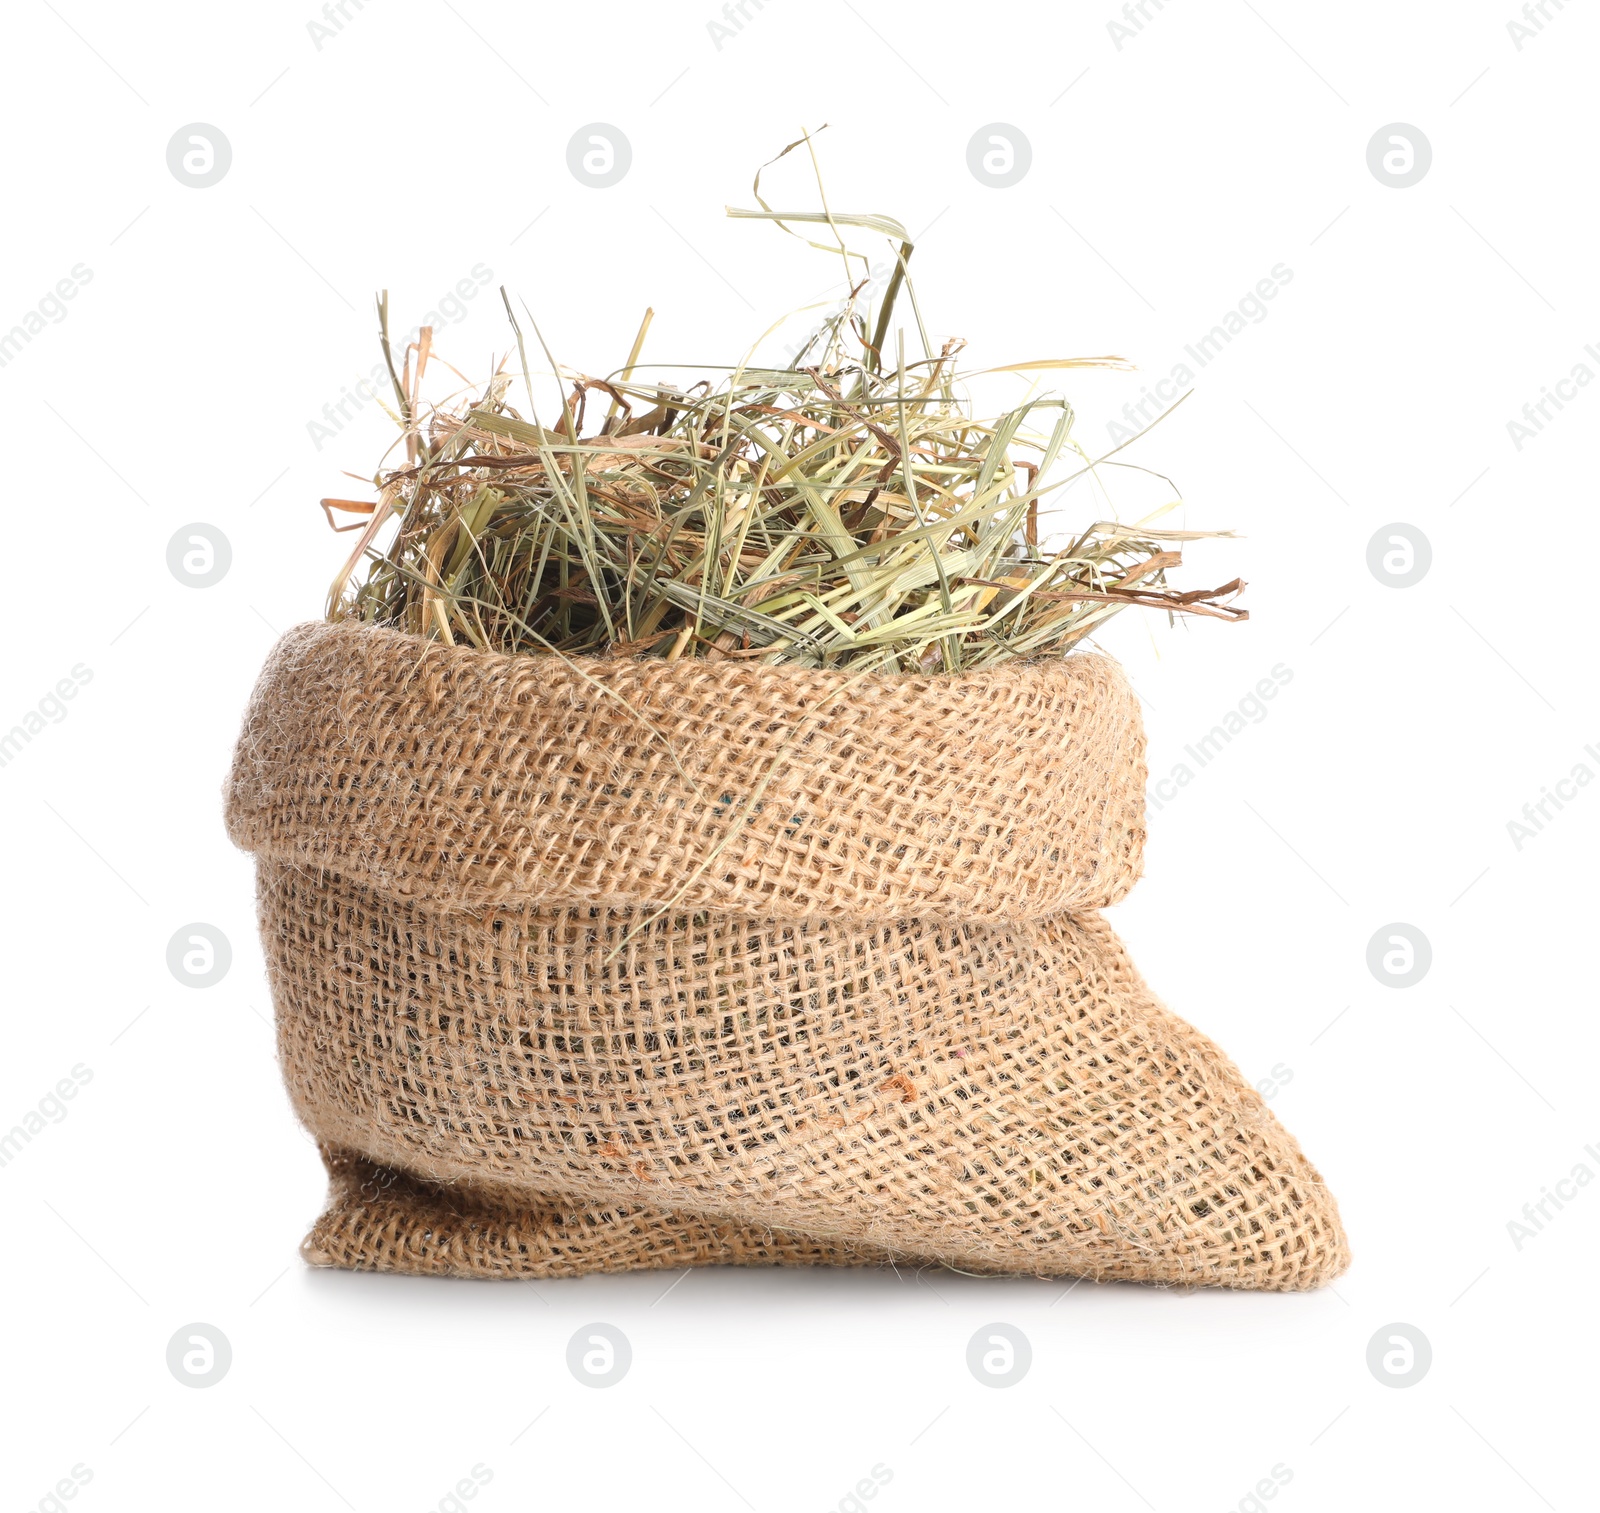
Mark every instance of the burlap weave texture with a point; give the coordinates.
(641, 964)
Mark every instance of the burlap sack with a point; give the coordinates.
(643, 964)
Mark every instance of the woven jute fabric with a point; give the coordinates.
(380, 1219)
(637, 964)
(469, 778)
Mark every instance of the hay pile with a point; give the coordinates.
(848, 510)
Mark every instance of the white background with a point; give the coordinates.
(1167, 177)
